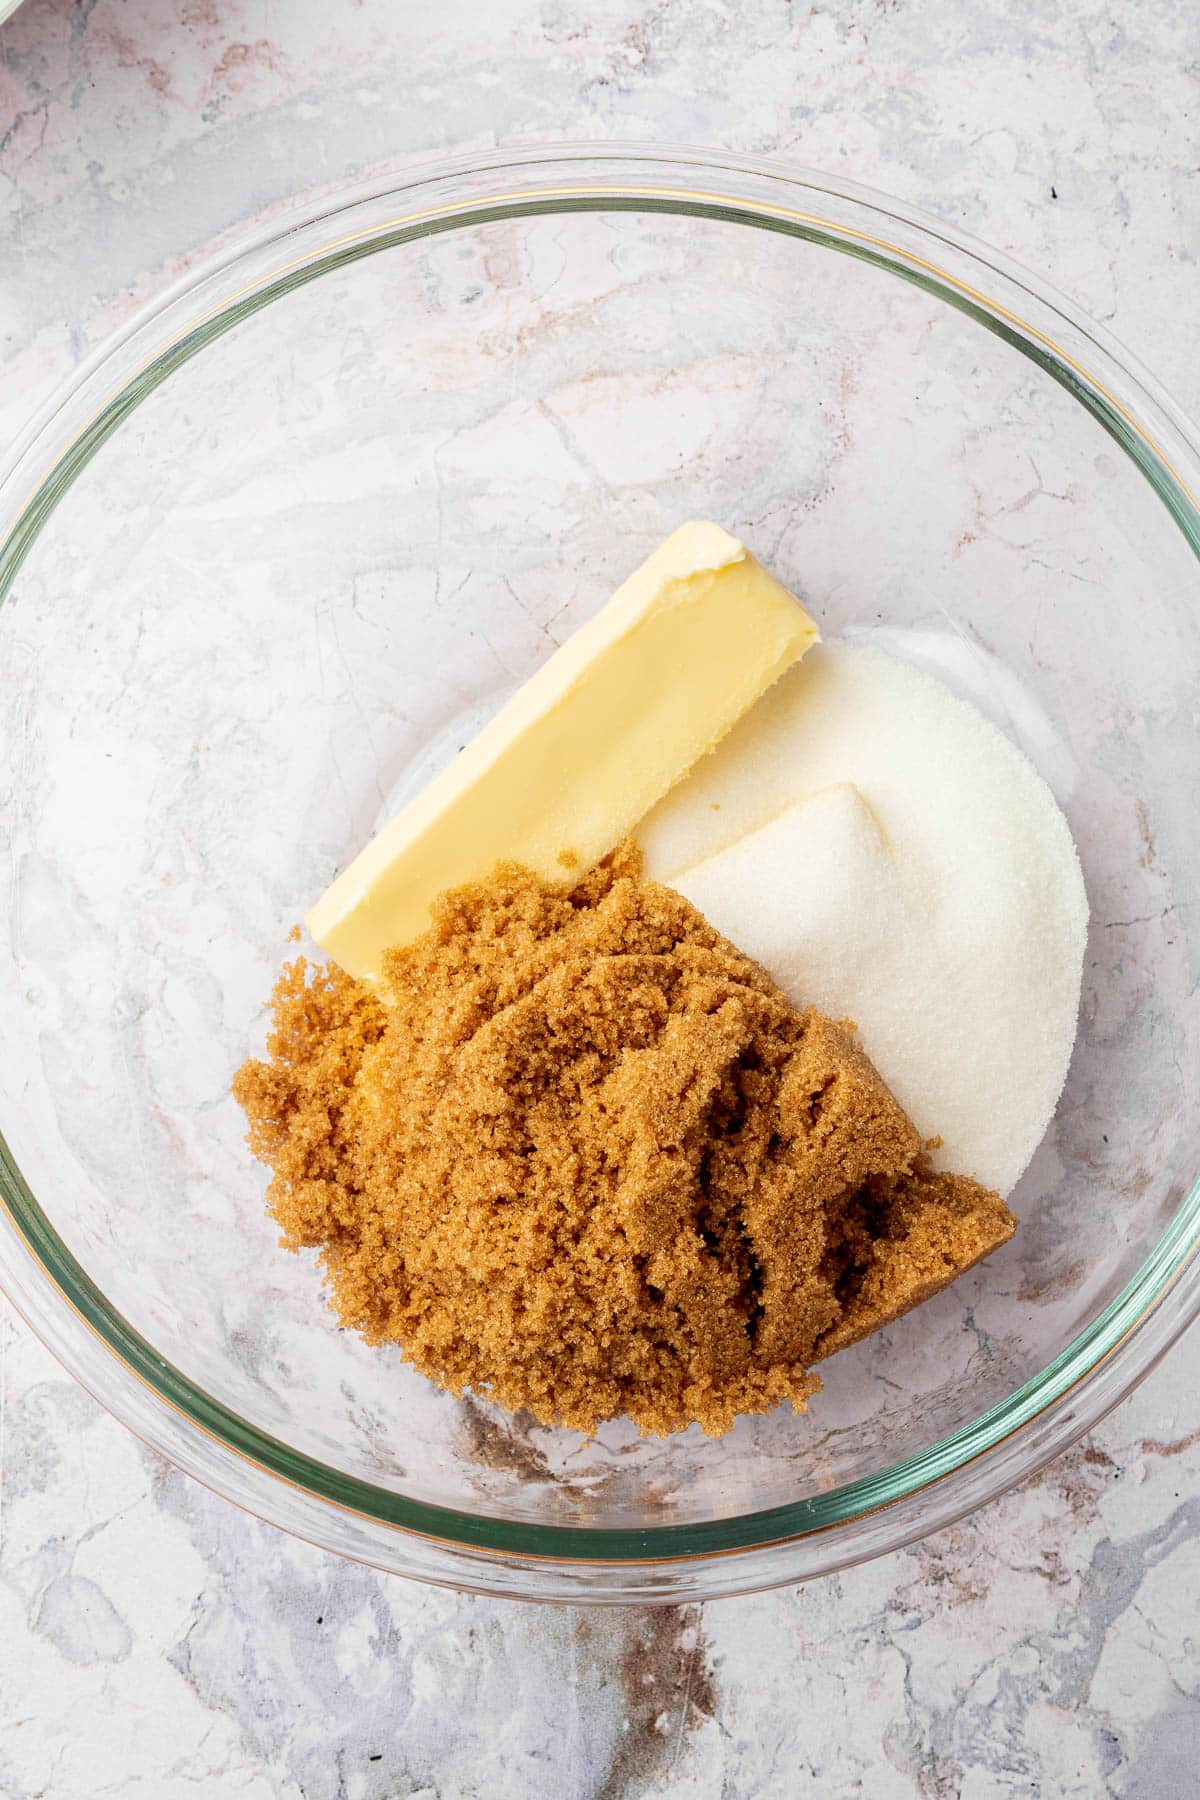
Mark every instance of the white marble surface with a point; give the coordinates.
(153, 1641)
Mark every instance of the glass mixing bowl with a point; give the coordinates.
(291, 536)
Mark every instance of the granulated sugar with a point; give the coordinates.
(893, 858)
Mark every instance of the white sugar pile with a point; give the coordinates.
(893, 858)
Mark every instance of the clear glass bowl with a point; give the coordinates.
(296, 531)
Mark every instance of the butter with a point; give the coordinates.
(585, 748)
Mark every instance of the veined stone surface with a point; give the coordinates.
(153, 1640)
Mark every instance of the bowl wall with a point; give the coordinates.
(319, 553)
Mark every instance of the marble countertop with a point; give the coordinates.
(153, 1640)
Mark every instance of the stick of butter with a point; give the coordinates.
(585, 748)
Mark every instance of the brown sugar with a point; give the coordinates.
(586, 1157)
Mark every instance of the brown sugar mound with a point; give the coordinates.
(588, 1158)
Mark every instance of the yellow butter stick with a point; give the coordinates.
(586, 747)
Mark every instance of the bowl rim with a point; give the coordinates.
(52, 1291)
